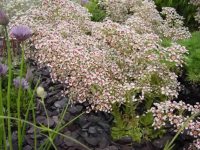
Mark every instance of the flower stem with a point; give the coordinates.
(9, 87)
(2, 124)
(18, 100)
(31, 107)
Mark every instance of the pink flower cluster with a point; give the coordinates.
(143, 16)
(100, 61)
(176, 114)
(196, 3)
(195, 145)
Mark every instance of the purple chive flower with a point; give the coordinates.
(23, 82)
(3, 69)
(21, 32)
(3, 18)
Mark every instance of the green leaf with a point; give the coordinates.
(147, 119)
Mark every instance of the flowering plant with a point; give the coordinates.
(101, 62)
(175, 114)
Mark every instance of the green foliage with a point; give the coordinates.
(127, 123)
(166, 42)
(193, 59)
(25, 98)
(98, 14)
(183, 8)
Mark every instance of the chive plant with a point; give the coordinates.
(21, 33)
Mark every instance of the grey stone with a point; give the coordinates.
(92, 141)
(92, 130)
(160, 143)
(27, 147)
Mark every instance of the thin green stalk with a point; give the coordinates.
(57, 127)
(43, 104)
(45, 113)
(31, 105)
(34, 128)
(51, 141)
(2, 124)
(19, 133)
(9, 87)
(61, 128)
(46, 129)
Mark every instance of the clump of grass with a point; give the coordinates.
(193, 59)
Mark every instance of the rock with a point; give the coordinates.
(84, 134)
(125, 140)
(92, 141)
(43, 120)
(53, 99)
(29, 140)
(49, 122)
(75, 134)
(27, 147)
(59, 87)
(38, 136)
(92, 130)
(86, 125)
(82, 121)
(45, 72)
(40, 119)
(105, 126)
(61, 104)
(55, 119)
(104, 142)
(52, 93)
(108, 148)
(100, 130)
(75, 109)
(14, 136)
(68, 117)
(58, 140)
(31, 130)
(93, 118)
(79, 108)
(160, 143)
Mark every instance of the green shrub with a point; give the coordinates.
(98, 13)
(193, 59)
(128, 122)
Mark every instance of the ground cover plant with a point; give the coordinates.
(121, 57)
(185, 8)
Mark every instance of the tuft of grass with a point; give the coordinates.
(193, 59)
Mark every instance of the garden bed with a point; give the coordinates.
(99, 75)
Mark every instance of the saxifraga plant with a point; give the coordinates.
(184, 8)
